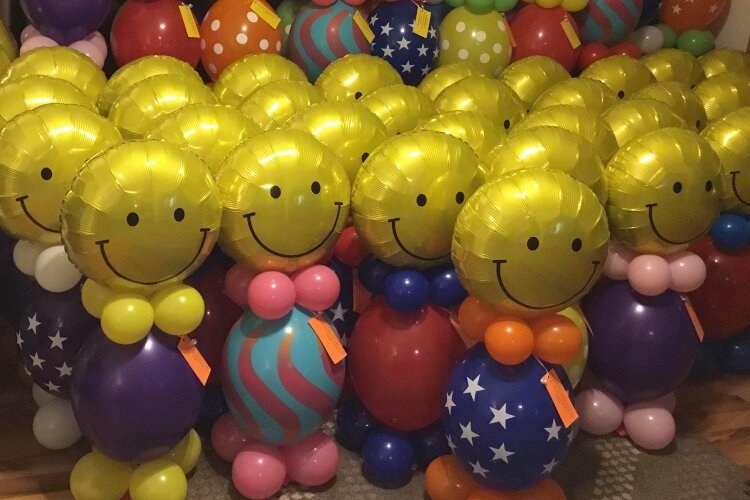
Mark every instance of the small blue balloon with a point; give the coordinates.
(735, 354)
(707, 360)
(406, 290)
(354, 424)
(372, 274)
(429, 443)
(730, 232)
(445, 288)
(213, 406)
(388, 460)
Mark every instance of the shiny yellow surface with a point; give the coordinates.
(33, 91)
(408, 194)
(96, 476)
(724, 93)
(585, 92)
(178, 309)
(475, 129)
(246, 75)
(631, 119)
(400, 107)
(664, 191)
(723, 60)
(623, 75)
(492, 98)
(273, 104)
(355, 75)
(443, 77)
(40, 153)
(530, 243)
(680, 99)
(531, 76)
(674, 65)
(162, 479)
(8, 44)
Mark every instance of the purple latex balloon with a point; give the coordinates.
(66, 21)
(640, 347)
(134, 402)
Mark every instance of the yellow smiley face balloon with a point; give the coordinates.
(724, 93)
(484, 95)
(40, 153)
(246, 75)
(475, 129)
(585, 92)
(273, 104)
(286, 200)
(631, 119)
(724, 59)
(354, 75)
(532, 242)
(141, 215)
(33, 91)
(664, 191)
(622, 74)
(530, 76)
(407, 196)
(680, 99)
(674, 65)
(443, 77)
(400, 107)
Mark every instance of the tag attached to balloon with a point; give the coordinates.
(361, 22)
(509, 31)
(560, 399)
(194, 358)
(570, 32)
(327, 337)
(191, 27)
(265, 13)
(694, 318)
(422, 22)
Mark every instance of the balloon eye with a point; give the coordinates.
(179, 214)
(357, 95)
(459, 197)
(132, 219)
(621, 94)
(365, 156)
(532, 243)
(506, 124)
(697, 124)
(576, 245)
(275, 192)
(709, 186)
(46, 173)
(421, 200)
(315, 187)
(677, 187)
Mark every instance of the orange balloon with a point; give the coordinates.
(543, 490)
(681, 15)
(509, 341)
(474, 316)
(232, 30)
(445, 479)
(557, 339)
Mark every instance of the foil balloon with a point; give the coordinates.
(664, 191)
(285, 198)
(576, 119)
(631, 119)
(33, 91)
(609, 21)
(550, 148)
(8, 45)
(723, 93)
(40, 153)
(273, 104)
(408, 194)
(355, 75)
(481, 39)
(622, 74)
(531, 76)
(530, 243)
(490, 97)
(141, 215)
(400, 107)
(729, 137)
(444, 76)
(674, 65)
(680, 99)
(208, 131)
(585, 92)
(542, 31)
(59, 62)
(245, 76)
(141, 107)
(475, 129)
(723, 60)
(350, 130)
(137, 71)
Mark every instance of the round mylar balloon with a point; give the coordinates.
(532, 242)
(609, 21)
(622, 74)
(730, 139)
(585, 92)
(243, 77)
(725, 59)
(209, 131)
(355, 75)
(475, 129)
(274, 103)
(664, 191)
(33, 91)
(142, 214)
(724, 93)
(408, 193)
(400, 107)
(8, 44)
(443, 77)
(286, 200)
(674, 65)
(40, 153)
(349, 129)
(680, 99)
(484, 95)
(478, 38)
(531, 76)
(631, 119)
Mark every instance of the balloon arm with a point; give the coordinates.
(54, 271)
(25, 255)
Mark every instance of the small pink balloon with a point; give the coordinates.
(649, 274)
(90, 50)
(271, 295)
(227, 437)
(236, 283)
(98, 39)
(618, 260)
(312, 461)
(317, 287)
(600, 412)
(650, 427)
(29, 32)
(667, 401)
(688, 271)
(35, 42)
(258, 471)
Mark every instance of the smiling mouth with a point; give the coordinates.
(103, 243)
(500, 262)
(249, 217)
(406, 251)
(651, 221)
(734, 187)
(22, 201)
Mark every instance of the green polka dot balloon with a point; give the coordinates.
(482, 39)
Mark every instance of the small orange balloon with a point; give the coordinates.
(474, 316)
(543, 490)
(557, 339)
(509, 341)
(445, 479)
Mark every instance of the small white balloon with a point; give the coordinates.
(54, 272)
(648, 39)
(42, 397)
(55, 425)
(25, 254)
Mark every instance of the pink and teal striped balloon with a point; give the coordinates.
(609, 21)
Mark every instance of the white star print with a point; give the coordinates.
(386, 29)
(36, 360)
(403, 43)
(450, 443)
(19, 340)
(467, 433)
(501, 453)
(553, 432)
(422, 50)
(64, 370)
(449, 402)
(338, 312)
(473, 387)
(33, 323)
(425, 70)
(548, 467)
(52, 387)
(435, 52)
(374, 20)
(500, 416)
(406, 68)
(388, 51)
(713, 8)
(411, 25)
(676, 9)
(477, 468)
(57, 340)
(432, 32)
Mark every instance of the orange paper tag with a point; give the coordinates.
(422, 22)
(266, 13)
(191, 27)
(361, 297)
(194, 358)
(509, 31)
(363, 26)
(693, 318)
(560, 399)
(329, 339)
(570, 32)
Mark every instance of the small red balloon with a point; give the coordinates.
(625, 49)
(538, 31)
(590, 53)
(349, 248)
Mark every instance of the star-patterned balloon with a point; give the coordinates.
(501, 423)
(342, 314)
(412, 55)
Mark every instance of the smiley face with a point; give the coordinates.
(353, 76)
(622, 74)
(408, 194)
(664, 190)
(531, 242)
(286, 200)
(40, 152)
(141, 215)
(484, 95)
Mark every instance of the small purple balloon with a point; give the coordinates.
(134, 402)
(640, 347)
(66, 21)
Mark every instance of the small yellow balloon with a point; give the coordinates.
(286, 200)
(355, 75)
(178, 309)
(674, 65)
(531, 76)
(574, 5)
(209, 131)
(664, 191)
(722, 60)
(530, 243)
(729, 137)
(349, 129)
(724, 93)
(399, 107)
(186, 453)
(574, 369)
(443, 77)
(273, 104)
(94, 297)
(680, 99)
(246, 75)
(33, 91)
(475, 129)
(585, 92)
(623, 75)
(481, 39)
(127, 318)
(408, 193)
(96, 477)
(159, 479)
(631, 119)
(490, 97)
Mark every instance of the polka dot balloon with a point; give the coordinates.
(481, 39)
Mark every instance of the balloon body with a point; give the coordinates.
(445, 479)
(590, 53)
(723, 93)
(158, 479)
(227, 438)
(584, 92)
(623, 75)
(475, 129)
(730, 232)
(66, 22)
(674, 65)
(531, 76)
(735, 356)
(633, 118)
(245, 76)
(609, 21)
(399, 107)
(650, 427)
(429, 444)
(213, 406)
(273, 104)
(354, 75)
(312, 461)
(37, 90)
(406, 291)
(55, 425)
(91, 50)
(696, 42)
(96, 476)
(648, 39)
(684, 16)
(446, 75)
(445, 288)
(626, 49)
(354, 424)
(287, 10)
(600, 412)
(680, 100)
(538, 32)
(316, 287)
(509, 341)
(480, 39)
(387, 460)
(481, 94)
(723, 60)
(259, 471)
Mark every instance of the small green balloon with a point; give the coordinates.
(670, 36)
(505, 5)
(479, 6)
(697, 42)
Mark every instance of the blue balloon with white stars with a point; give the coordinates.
(395, 41)
(501, 423)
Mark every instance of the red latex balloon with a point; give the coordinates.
(349, 249)
(723, 302)
(590, 53)
(400, 363)
(625, 49)
(538, 32)
(152, 27)
(683, 15)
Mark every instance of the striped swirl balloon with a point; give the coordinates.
(320, 35)
(609, 21)
(279, 382)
